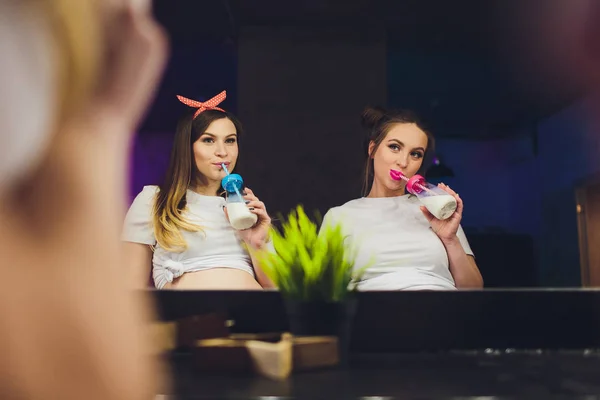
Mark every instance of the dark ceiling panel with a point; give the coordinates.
(445, 56)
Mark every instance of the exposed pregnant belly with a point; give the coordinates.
(215, 279)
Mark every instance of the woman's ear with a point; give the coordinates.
(371, 147)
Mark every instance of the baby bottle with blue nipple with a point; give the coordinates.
(239, 214)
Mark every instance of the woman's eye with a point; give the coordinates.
(230, 141)
(394, 147)
(417, 154)
(207, 140)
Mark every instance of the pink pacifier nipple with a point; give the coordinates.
(397, 175)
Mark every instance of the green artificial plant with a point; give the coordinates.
(308, 264)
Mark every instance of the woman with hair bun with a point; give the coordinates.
(404, 246)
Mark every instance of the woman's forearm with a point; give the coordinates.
(261, 277)
(72, 210)
(462, 266)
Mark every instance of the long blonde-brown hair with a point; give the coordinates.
(76, 28)
(379, 121)
(169, 208)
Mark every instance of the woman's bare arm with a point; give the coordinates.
(138, 258)
(72, 328)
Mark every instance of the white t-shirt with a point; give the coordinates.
(393, 235)
(218, 245)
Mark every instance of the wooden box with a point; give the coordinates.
(273, 355)
(216, 350)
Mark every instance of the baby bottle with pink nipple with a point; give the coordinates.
(440, 203)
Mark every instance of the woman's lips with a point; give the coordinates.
(396, 175)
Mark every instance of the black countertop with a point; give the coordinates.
(401, 322)
(478, 375)
(419, 345)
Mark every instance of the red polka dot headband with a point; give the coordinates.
(206, 105)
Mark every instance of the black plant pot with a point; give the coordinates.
(320, 318)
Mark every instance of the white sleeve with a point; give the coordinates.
(328, 219)
(336, 216)
(463, 241)
(137, 227)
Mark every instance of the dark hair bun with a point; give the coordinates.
(373, 116)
